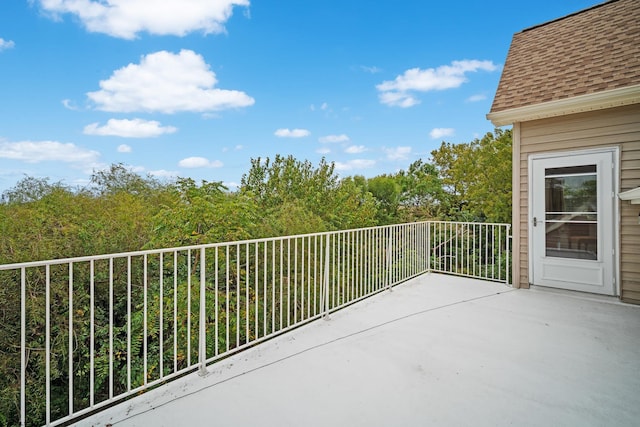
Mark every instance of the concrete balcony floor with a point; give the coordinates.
(437, 350)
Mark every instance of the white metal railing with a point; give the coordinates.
(97, 329)
(471, 249)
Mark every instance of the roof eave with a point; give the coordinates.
(577, 104)
(632, 195)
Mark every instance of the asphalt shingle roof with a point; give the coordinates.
(590, 51)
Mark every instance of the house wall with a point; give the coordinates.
(604, 128)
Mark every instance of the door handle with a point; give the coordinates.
(535, 221)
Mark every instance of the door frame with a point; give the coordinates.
(615, 150)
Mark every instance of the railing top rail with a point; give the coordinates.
(31, 264)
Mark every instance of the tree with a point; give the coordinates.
(30, 189)
(476, 178)
(119, 178)
(491, 193)
(421, 191)
(316, 190)
(203, 213)
(386, 192)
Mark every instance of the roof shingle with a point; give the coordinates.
(594, 50)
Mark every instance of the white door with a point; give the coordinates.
(572, 210)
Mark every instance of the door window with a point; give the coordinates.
(571, 212)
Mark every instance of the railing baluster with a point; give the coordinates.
(202, 336)
(238, 294)
(288, 282)
(216, 304)
(47, 344)
(312, 290)
(303, 282)
(175, 311)
(508, 256)
(111, 328)
(273, 286)
(326, 278)
(23, 346)
(160, 316)
(128, 323)
(295, 281)
(144, 328)
(70, 339)
(92, 299)
(226, 296)
(280, 304)
(334, 302)
(389, 261)
(189, 272)
(256, 290)
(309, 277)
(264, 292)
(246, 286)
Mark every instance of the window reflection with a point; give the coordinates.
(571, 217)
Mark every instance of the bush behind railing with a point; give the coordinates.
(136, 317)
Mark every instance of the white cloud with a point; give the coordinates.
(437, 133)
(6, 44)
(161, 173)
(323, 107)
(333, 138)
(476, 98)
(292, 133)
(69, 105)
(231, 185)
(355, 164)
(41, 151)
(398, 99)
(398, 92)
(398, 153)
(323, 150)
(124, 148)
(355, 149)
(138, 169)
(372, 70)
(199, 162)
(136, 128)
(167, 83)
(126, 18)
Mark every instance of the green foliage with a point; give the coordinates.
(386, 191)
(421, 191)
(118, 178)
(315, 192)
(476, 178)
(30, 189)
(204, 213)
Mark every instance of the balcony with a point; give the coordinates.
(437, 350)
(174, 334)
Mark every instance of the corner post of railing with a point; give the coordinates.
(202, 327)
(389, 253)
(23, 346)
(325, 284)
(508, 272)
(428, 254)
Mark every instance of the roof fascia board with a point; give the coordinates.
(632, 195)
(577, 104)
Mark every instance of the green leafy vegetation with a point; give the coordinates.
(121, 211)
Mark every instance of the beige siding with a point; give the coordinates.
(607, 128)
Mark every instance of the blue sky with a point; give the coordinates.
(196, 88)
